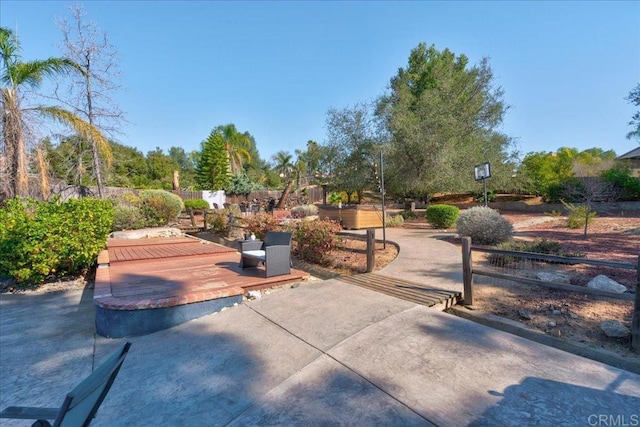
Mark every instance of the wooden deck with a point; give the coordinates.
(403, 289)
(175, 274)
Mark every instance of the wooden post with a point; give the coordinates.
(193, 219)
(467, 271)
(371, 249)
(205, 214)
(635, 319)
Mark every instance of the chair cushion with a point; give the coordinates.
(254, 254)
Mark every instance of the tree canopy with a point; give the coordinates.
(442, 116)
(353, 147)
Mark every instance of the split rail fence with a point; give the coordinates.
(509, 257)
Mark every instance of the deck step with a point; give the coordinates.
(403, 289)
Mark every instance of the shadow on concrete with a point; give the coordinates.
(46, 343)
(539, 401)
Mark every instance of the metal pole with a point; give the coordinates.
(384, 214)
(484, 183)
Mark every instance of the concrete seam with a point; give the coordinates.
(339, 362)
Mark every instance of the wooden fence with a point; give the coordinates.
(469, 272)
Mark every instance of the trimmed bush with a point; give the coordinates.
(442, 216)
(304, 211)
(484, 225)
(159, 207)
(41, 239)
(316, 238)
(197, 204)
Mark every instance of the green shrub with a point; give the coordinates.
(538, 246)
(627, 185)
(304, 211)
(478, 196)
(394, 220)
(39, 239)
(260, 223)
(484, 225)
(316, 238)
(159, 207)
(198, 204)
(127, 218)
(409, 214)
(579, 215)
(569, 190)
(218, 220)
(442, 216)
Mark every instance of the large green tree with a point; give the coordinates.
(212, 166)
(354, 146)
(442, 115)
(14, 76)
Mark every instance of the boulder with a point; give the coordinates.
(603, 283)
(614, 329)
(525, 314)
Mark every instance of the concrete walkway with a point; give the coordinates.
(324, 353)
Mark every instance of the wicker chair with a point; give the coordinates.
(274, 253)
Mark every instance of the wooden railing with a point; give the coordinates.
(469, 272)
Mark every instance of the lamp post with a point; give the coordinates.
(340, 212)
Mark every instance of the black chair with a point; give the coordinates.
(274, 252)
(82, 403)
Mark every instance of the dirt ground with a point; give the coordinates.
(570, 315)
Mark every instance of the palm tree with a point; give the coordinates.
(283, 163)
(237, 145)
(14, 75)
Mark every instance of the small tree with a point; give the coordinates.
(588, 191)
(212, 166)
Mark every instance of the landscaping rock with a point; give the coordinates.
(614, 329)
(254, 295)
(551, 324)
(603, 283)
(546, 276)
(147, 233)
(525, 314)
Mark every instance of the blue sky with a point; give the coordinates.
(275, 68)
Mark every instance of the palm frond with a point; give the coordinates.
(8, 51)
(33, 72)
(82, 127)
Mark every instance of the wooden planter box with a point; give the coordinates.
(354, 217)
